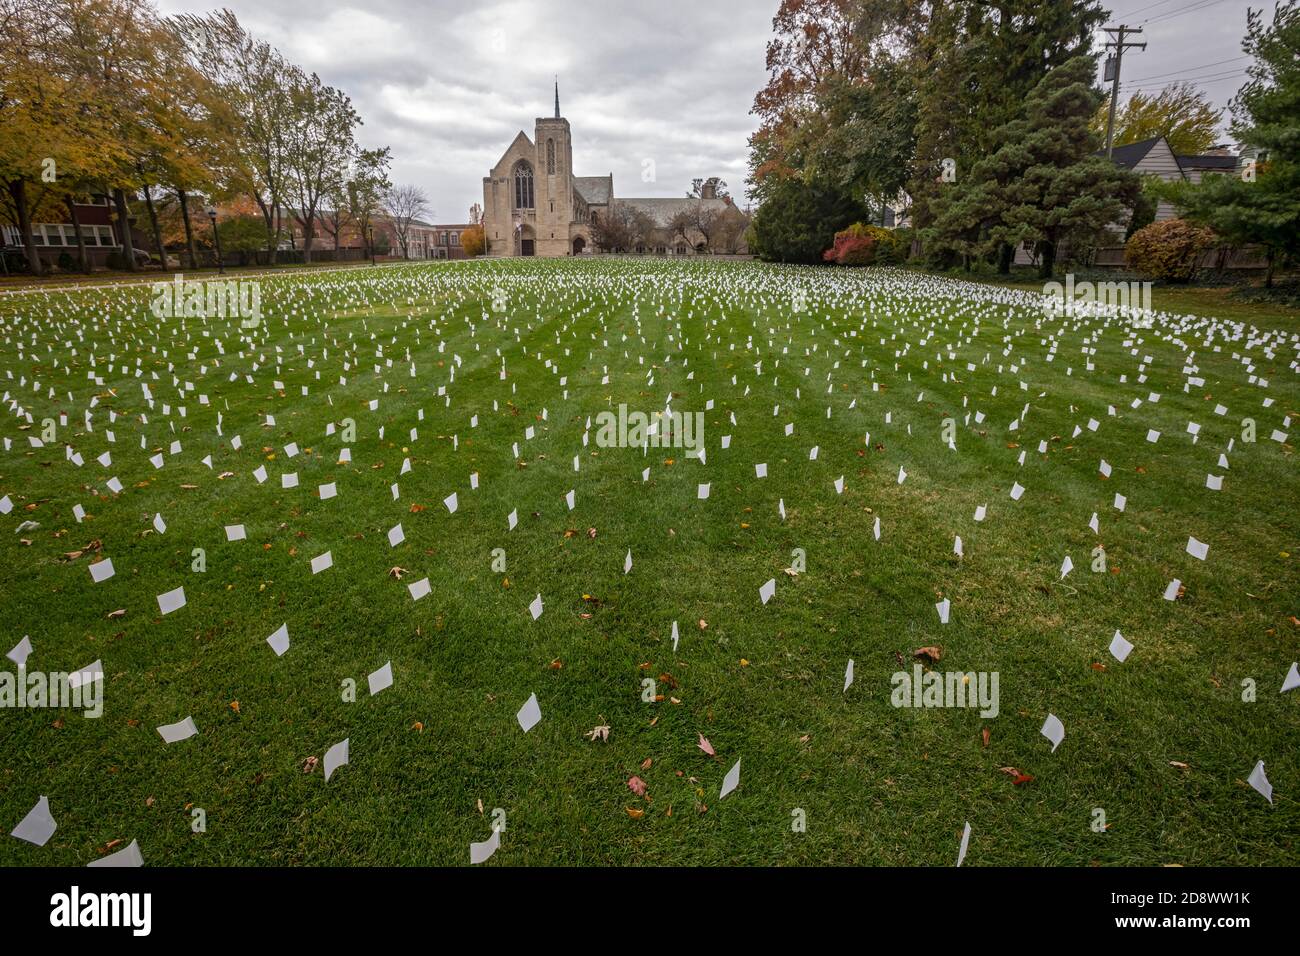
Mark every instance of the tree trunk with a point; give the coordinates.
(1048, 262)
(153, 224)
(268, 215)
(189, 229)
(1006, 255)
(81, 240)
(18, 193)
(308, 235)
(1272, 263)
(124, 231)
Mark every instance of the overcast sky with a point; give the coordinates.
(447, 85)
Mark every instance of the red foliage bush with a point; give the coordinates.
(850, 250)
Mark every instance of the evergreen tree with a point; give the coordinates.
(1263, 208)
(1046, 185)
(975, 64)
(798, 221)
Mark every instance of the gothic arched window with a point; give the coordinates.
(523, 186)
(550, 157)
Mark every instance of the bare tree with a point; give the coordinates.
(256, 82)
(318, 145)
(705, 221)
(403, 205)
(617, 230)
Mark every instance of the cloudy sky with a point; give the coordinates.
(447, 85)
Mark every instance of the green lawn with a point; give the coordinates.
(1162, 743)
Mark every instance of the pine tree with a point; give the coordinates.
(975, 64)
(1046, 185)
(1263, 208)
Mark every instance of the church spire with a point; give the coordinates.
(557, 97)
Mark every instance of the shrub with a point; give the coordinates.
(852, 247)
(862, 245)
(1168, 250)
(796, 220)
(894, 246)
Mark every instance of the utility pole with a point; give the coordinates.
(1112, 73)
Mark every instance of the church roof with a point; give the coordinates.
(596, 190)
(662, 209)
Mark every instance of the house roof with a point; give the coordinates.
(595, 190)
(662, 209)
(1130, 154)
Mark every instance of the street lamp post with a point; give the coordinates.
(370, 229)
(216, 237)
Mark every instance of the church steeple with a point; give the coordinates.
(557, 97)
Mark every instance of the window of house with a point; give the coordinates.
(455, 238)
(523, 186)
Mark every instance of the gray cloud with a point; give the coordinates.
(447, 85)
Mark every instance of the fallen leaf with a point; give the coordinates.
(637, 786)
(708, 747)
(931, 653)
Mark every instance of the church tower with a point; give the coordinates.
(554, 178)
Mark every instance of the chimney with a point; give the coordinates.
(709, 189)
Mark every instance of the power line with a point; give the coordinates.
(1179, 12)
(1149, 6)
(1191, 69)
(1206, 78)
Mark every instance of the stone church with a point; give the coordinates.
(533, 204)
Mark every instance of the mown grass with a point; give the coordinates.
(878, 784)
